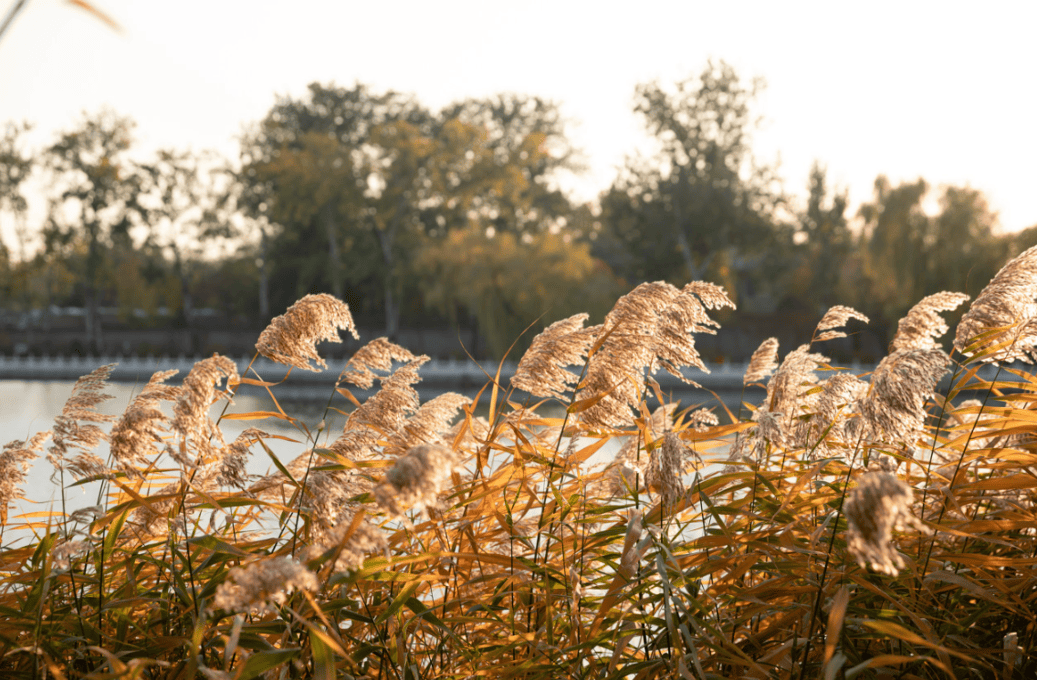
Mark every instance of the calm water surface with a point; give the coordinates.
(28, 407)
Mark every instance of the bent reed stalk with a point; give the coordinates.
(846, 528)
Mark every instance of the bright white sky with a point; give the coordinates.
(941, 90)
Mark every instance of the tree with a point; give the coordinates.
(509, 166)
(15, 167)
(508, 281)
(701, 203)
(182, 214)
(963, 252)
(826, 238)
(98, 203)
(337, 168)
(360, 182)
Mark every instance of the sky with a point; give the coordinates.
(940, 90)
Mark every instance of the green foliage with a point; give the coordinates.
(507, 282)
(701, 198)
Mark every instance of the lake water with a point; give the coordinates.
(28, 407)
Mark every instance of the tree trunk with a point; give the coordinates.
(392, 308)
(264, 278)
(334, 261)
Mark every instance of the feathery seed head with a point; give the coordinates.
(233, 459)
(291, 338)
(354, 540)
(923, 323)
(878, 505)
(191, 411)
(63, 552)
(763, 362)
(387, 409)
(416, 479)
(541, 371)
(137, 433)
(263, 585)
(702, 419)
(901, 386)
(665, 468)
(650, 327)
(428, 425)
(77, 426)
(836, 317)
(1008, 301)
(787, 388)
(835, 405)
(634, 546)
(375, 355)
(15, 461)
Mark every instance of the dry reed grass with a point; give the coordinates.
(863, 527)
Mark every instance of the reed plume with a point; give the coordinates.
(650, 327)
(15, 461)
(836, 317)
(191, 419)
(836, 407)
(263, 585)
(1008, 301)
(763, 362)
(379, 354)
(428, 425)
(541, 371)
(629, 464)
(416, 479)
(291, 338)
(387, 410)
(923, 324)
(77, 428)
(232, 461)
(878, 505)
(665, 469)
(894, 408)
(139, 431)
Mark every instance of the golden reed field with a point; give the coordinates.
(850, 526)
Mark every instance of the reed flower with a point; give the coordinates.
(379, 355)
(1009, 300)
(835, 408)
(232, 459)
(63, 553)
(263, 585)
(836, 317)
(629, 464)
(291, 339)
(541, 371)
(428, 424)
(353, 539)
(665, 469)
(77, 428)
(416, 479)
(139, 431)
(702, 419)
(763, 362)
(15, 461)
(895, 407)
(650, 327)
(788, 387)
(388, 408)
(878, 505)
(191, 411)
(923, 323)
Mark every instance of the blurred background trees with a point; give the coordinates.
(454, 219)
